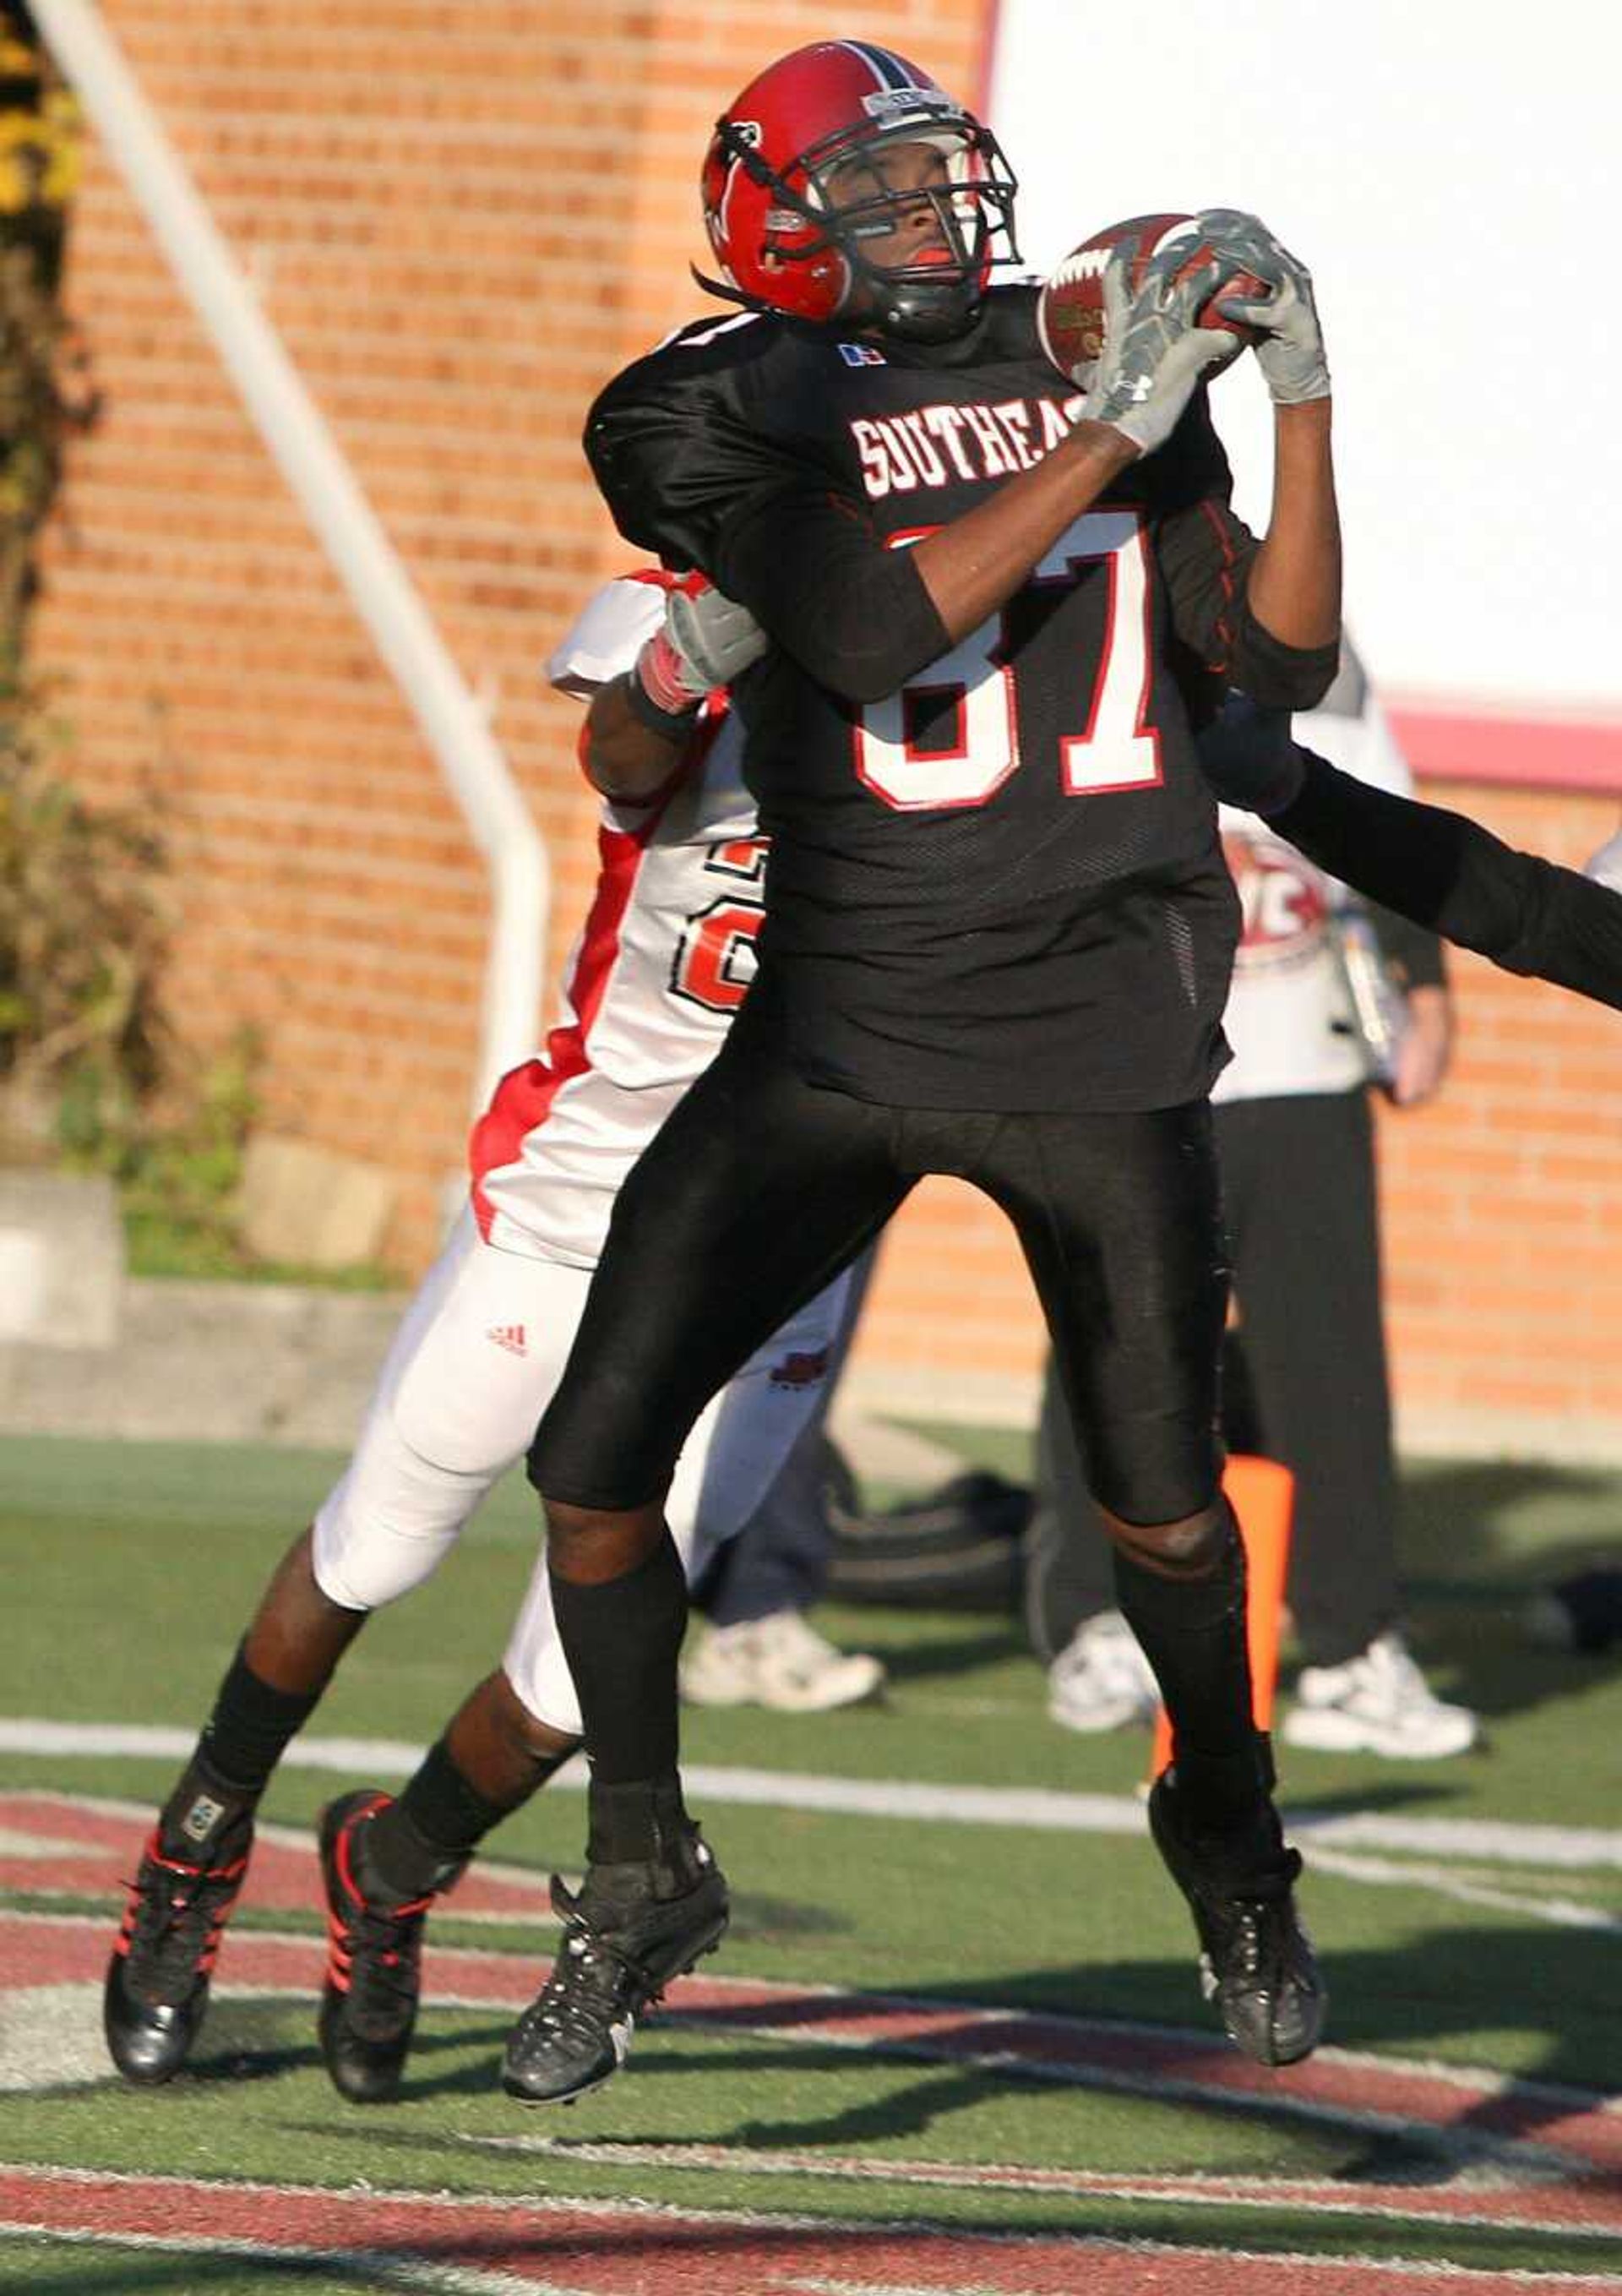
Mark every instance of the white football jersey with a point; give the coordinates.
(652, 985)
(1289, 1015)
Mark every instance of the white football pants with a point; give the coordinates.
(471, 1370)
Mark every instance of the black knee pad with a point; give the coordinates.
(1187, 1596)
(1187, 1547)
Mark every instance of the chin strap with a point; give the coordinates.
(733, 294)
(911, 327)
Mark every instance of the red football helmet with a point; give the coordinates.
(783, 243)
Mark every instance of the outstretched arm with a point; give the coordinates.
(1438, 868)
(1528, 915)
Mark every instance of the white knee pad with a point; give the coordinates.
(388, 1524)
(473, 1367)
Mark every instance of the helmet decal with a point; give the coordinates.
(887, 68)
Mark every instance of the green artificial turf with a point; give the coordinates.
(132, 1569)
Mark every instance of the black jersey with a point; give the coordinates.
(994, 881)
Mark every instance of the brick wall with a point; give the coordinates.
(464, 215)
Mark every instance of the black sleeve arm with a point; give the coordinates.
(812, 570)
(1413, 952)
(1450, 876)
(1206, 554)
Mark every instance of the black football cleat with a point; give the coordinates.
(1255, 1961)
(375, 1952)
(163, 1957)
(623, 1942)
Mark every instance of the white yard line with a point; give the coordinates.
(1489, 1842)
(368, 2268)
(1467, 2201)
(1384, 1874)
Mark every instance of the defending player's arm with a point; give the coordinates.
(624, 759)
(638, 725)
(1527, 914)
(1436, 867)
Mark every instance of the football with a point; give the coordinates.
(1070, 308)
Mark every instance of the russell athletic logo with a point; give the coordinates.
(510, 1336)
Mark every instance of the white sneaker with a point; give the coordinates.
(1101, 1679)
(1378, 1702)
(780, 1661)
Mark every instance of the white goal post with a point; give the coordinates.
(295, 431)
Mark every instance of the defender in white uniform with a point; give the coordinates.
(663, 962)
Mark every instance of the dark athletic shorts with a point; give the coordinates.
(761, 1186)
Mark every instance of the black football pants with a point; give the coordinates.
(760, 1187)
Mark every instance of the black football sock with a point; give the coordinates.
(640, 1821)
(250, 1727)
(1193, 1631)
(622, 1639)
(420, 1842)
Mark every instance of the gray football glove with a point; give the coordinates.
(716, 639)
(1291, 353)
(703, 642)
(1154, 353)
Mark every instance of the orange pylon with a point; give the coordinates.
(1262, 1495)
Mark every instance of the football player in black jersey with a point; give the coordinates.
(999, 931)
(1435, 867)
(999, 927)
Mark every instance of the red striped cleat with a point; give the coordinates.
(157, 1985)
(374, 1953)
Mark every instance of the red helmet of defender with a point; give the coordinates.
(785, 245)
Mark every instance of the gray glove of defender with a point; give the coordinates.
(1291, 353)
(716, 639)
(703, 642)
(1154, 352)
